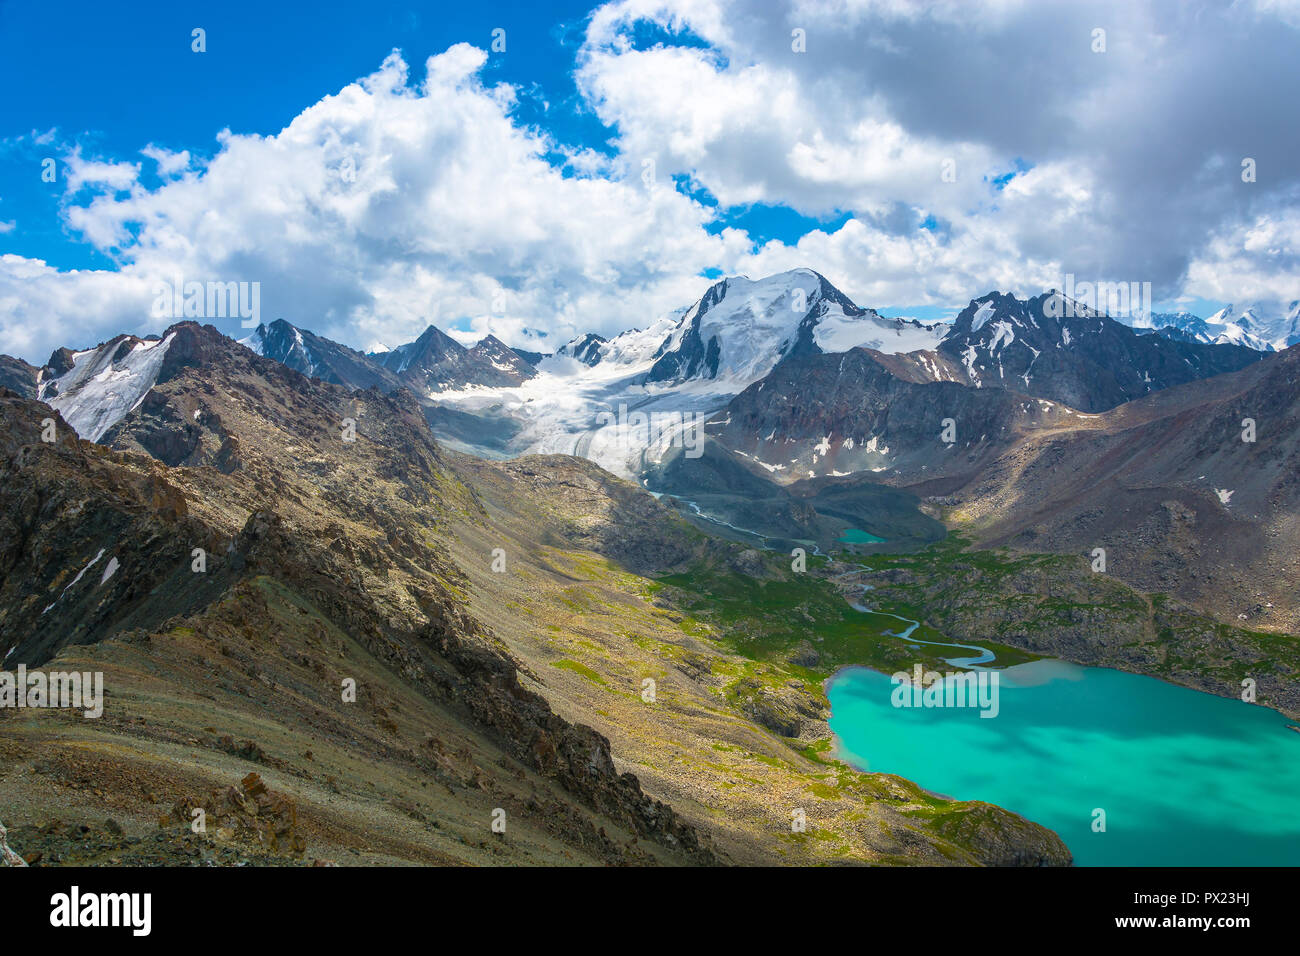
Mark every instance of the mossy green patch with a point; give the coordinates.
(577, 668)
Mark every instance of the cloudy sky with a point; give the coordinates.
(538, 170)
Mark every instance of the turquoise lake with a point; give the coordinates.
(1184, 778)
(856, 536)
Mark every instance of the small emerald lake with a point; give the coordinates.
(1184, 778)
(855, 536)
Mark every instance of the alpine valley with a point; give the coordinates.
(356, 604)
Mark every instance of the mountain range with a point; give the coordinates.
(736, 335)
(467, 533)
(785, 381)
(1250, 327)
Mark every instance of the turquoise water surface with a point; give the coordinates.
(1184, 778)
(857, 536)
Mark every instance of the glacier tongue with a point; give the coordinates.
(98, 391)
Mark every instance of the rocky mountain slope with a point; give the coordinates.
(862, 412)
(318, 357)
(19, 377)
(1170, 487)
(435, 362)
(337, 567)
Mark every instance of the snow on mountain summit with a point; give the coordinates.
(741, 328)
(1248, 327)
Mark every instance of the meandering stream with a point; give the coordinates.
(985, 655)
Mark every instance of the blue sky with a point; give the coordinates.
(124, 82)
(520, 176)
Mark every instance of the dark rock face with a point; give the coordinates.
(532, 358)
(87, 548)
(1088, 360)
(849, 413)
(429, 364)
(687, 360)
(585, 348)
(692, 358)
(192, 346)
(17, 376)
(318, 357)
(491, 361)
(61, 360)
(163, 433)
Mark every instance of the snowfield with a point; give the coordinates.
(96, 393)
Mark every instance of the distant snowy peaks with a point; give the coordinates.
(1247, 318)
(1251, 327)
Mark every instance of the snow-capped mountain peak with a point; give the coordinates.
(1225, 327)
(1051, 345)
(741, 328)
